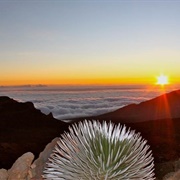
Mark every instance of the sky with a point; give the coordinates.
(88, 42)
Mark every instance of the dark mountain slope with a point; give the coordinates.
(162, 107)
(24, 128)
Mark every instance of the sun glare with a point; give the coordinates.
(162, 80)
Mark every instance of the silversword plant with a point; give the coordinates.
(95, 151)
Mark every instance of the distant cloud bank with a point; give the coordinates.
(71, 102)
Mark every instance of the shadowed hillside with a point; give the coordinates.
(166, 106)
(162, 107)
(24, 128)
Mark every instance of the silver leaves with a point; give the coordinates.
(95, 151)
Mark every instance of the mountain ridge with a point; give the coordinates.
(24, 128)
(162, 107)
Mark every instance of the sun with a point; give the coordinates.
(162, 80)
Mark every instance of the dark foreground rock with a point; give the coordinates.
(24, 129)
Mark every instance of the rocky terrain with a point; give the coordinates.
(25, 129)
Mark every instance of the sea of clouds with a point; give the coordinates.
(67, 102)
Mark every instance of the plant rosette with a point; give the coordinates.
(100, 151)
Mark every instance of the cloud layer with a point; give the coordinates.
(66, 103)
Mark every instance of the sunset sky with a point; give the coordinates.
(88, 42)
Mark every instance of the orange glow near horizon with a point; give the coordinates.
(80, 81)
(56, 79)
(97, 51)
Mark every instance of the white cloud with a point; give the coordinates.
(69, 108)
(70, 103)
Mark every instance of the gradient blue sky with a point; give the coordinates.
(81, 42)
